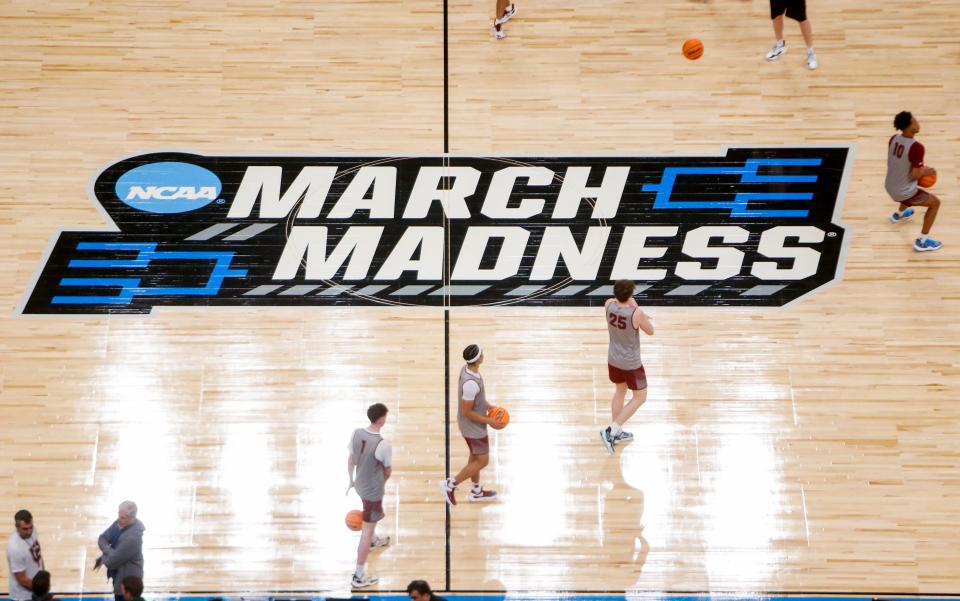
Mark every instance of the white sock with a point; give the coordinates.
(780, 42)
(360, 571)
(477, 488)
(809, 49)
(615, 429)
(899, 213)
(923, 237)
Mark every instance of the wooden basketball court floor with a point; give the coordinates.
(811, 448)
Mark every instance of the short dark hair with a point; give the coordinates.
(468, 353)
(41, 583)
(903, 120)
(22, 516)
(420, 586)
(134, 584)
(623, 290)
(376, 411)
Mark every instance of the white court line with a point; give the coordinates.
(93, 461)
(696, 443)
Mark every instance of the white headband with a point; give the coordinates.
(477, 356)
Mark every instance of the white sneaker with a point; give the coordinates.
(363, 581)
(481, 497)
(811, 60)
(379, 541)
(511, 11)
(498, 31)
(448, 490)
(779, 48)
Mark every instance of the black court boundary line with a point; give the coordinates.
(276, 594)
(446, 310)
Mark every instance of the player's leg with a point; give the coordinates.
(619, 379)
(501, 18)
(636, 380)
(777, 8)
(639, 398)
(903, 213)
(471, 471)
(372, 513)
(925, 242)
(616, 403)
(477, 493)
(807, 31)
(778, 28)
(448, 486)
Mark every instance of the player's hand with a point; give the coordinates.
(497, 425)
(929, 171)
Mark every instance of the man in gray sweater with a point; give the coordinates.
(121, 547)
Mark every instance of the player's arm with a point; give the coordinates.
(23, 581)
(351, 465)
(19, 570)
(384, 454)
(468, 394)
(917, 168)
(474, 416)
(642, 321)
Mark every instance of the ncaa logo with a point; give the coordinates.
(168, 187)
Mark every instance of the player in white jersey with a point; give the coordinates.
(624, 365)
(904, 167)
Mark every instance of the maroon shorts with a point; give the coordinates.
(636, 379)
(917, 199)
(372, 510)
(478, 446)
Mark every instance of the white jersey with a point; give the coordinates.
(903, 155)
(23, 555)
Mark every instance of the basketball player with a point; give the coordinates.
(505, 12)
(796, 10)
(473, 421)
(624, 322)
(904, 168)
(372, 457)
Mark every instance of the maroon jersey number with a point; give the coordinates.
(617, 321)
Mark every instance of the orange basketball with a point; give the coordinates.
(927, 181)
(693, 49)
(499, 415)
(354, 519)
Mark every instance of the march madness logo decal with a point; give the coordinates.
(756, 227)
